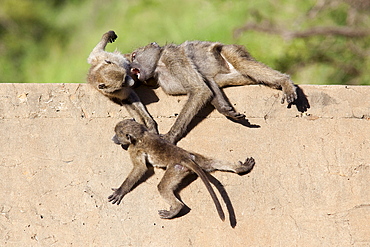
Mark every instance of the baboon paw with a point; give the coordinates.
(165, 214)
(229, 112)
(246, 166)
(116, 197)
(112, 36)
(289, 97)
(237, 115)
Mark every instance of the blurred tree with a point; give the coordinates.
(316, 41)
(26, 29)
(334, 41)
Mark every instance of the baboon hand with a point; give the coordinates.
(246, 166)
(112, 36)
(116, 197)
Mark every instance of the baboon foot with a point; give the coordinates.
(169, 214)
(246, 166)
(289, 95)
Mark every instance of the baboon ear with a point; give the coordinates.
(101, 86)
(154, 44)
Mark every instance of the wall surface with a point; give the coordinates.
(310, 185)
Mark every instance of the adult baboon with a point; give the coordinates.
(198, 69)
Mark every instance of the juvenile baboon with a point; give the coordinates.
(109, 74)
(199, 69)
(145, 147)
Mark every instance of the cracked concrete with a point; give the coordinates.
(309, 187)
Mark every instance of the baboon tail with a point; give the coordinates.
(199, 171)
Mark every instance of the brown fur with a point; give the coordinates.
(109, 74)
(199, 69)
(145, 147)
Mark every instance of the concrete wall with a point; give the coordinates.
(310, 185)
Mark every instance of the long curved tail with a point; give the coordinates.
(199, 171)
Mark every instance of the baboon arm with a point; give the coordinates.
(138, 170)
(110, 37)
(192, 106)
(188, 81)
(137, 109)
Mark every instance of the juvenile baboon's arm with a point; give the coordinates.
(108, 37)
(138, 170)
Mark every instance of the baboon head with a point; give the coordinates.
(109, 77)
(144, 61)
(128, 132)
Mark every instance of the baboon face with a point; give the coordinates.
(144, 61)
(110, 78)
(128, 132)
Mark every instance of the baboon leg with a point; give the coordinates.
(221, 104)
(271, 78)
(169, 183)
(233, 79)
(138, 170)
(210, 165)
(244, 63)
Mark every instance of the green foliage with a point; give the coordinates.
(49, 40)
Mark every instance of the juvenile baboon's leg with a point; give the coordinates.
(138, 170)
(169, 183)
(258, 72)
(210, 165)
(221, 104)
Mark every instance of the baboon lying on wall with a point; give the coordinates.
(109, 74)
(199, 69)
(145, 147)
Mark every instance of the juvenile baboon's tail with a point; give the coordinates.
(199, 171)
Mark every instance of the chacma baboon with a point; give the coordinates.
(109, 74)
(199, 69)
(145, 147)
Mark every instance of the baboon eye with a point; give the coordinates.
(108, 62)
(101, 86)
(133, 56)
(154, 43)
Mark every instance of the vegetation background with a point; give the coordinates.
(315, 41)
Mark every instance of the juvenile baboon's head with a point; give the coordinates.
(109, 78)
(128, 132)
(144, 61)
